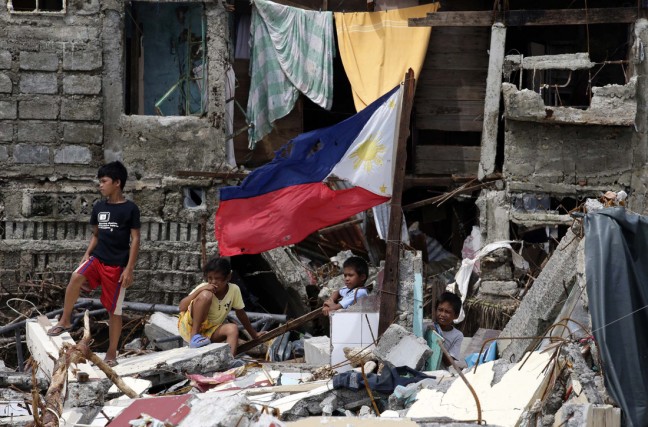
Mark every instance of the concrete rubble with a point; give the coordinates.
(557, 386)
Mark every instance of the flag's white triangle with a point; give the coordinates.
(369, 161)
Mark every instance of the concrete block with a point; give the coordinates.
(30, 153)
(4, 153)
(161, 326)
(39, 61)
(81, 109)
(219, 411)
(5, 59)
(501, 288)
(73, 154)
(6, 131)
(589, 415)
(33, 131)
(5, 83)
(8, 110)
(82, 132)
(82, 60)
(38, 83)
(82, 85)
(317, 350)
(402, 348)
(90, 393)
(44, 107)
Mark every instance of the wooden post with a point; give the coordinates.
(388, 297)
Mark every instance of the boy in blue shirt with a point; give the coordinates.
(110, 258)
(355, 271)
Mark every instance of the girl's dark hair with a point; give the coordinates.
(219, 265)
(115, 171)
(358, 264)
(453, 299)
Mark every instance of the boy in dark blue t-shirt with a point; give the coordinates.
(110, 258)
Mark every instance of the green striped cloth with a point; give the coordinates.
(291, 51)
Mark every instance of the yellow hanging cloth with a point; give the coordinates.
(377, 48)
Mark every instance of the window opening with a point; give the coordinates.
(166, 59)
(36, 6)
(194, 197)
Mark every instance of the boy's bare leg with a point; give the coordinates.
(71, 296)
(199, 309)
(114, 332)
(229, 333)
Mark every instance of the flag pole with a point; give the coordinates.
(389, 293)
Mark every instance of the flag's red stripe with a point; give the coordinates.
(285, 216)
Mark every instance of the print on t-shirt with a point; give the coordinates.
(103, 218)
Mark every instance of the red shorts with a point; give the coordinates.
(107, 276)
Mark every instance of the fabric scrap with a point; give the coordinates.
(291, 51)
(377, 49)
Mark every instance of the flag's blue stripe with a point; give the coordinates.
(302, 160)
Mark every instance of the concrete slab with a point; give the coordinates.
(544, 300)
(402, 348)
(502, 403)
(352, 422)
(317, 350)
(163, 365)
(45, 350)
(160, 326)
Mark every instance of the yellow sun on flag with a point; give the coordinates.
(368, 154)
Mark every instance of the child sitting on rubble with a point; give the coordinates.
(448, 307)
(355, 271)
(204, 311)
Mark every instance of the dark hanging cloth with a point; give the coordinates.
(616, 270)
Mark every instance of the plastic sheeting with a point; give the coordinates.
(616, 270)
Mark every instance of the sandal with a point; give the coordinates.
(112, 362)
(57, 330)
(198, 341)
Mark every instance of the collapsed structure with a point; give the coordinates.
(519, 116)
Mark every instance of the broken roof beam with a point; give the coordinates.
(521, 18)
(611, 105)
(567, 61)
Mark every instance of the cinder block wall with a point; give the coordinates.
(62, 116)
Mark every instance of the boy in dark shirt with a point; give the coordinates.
(110, 258)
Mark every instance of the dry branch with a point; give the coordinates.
(71, 354)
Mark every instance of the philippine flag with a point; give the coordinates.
(284, 201)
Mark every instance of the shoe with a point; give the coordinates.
(198, 341)
(112, 362)
(57, 330)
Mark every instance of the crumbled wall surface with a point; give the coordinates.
(568, 156)
(62, 116)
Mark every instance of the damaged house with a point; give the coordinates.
(522, 113)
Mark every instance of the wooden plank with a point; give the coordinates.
(446, 160)
(444, 76)
(457, 61)
(448, 152)
(290, 325)
(463, 108)
(518, 18)
(388, 296)
(434, 92)
(451, 123)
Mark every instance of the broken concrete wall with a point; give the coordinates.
(567, 158)
(62, 116)
(544, 300)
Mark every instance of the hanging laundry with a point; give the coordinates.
(291, 51)
(242, 49)
(377, 49)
